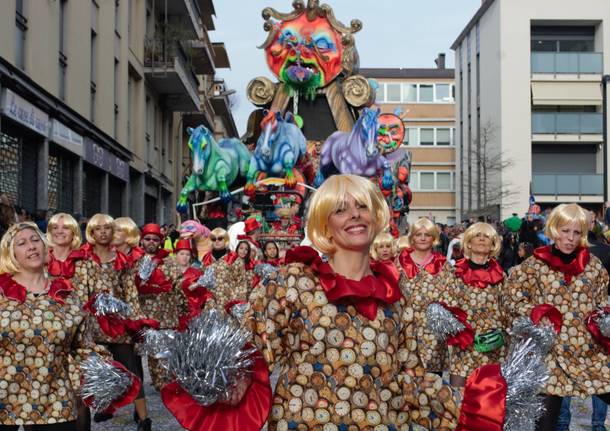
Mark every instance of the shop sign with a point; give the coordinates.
(66, 137)
(106, 161)
(22, 111)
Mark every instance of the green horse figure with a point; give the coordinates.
(216, 165)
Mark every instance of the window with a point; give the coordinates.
(443, 137)
(393, 92)
(432, 181)
(21, 27)
(443, 93)
(426, 180)
(443, 181)
(426, 93)
(409, 92)
(426, 137)
(429, 136)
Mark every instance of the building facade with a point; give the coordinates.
(529, 114)
(426, 103)
(95, 99)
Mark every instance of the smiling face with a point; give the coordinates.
(569, 237)
(61, 234)
(243, 249)
(183, 257)
(29, 250)
(305, 53)
(350, 226)
(120, 237)
(271, 250)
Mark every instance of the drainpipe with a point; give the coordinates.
(605, 80)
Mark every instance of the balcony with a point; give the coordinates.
(186, 12)
(578, 186)
(169, 72)
(567, 127)
(559, 63)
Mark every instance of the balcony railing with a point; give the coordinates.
(567, 62)
(568, 184)
(160, 55)
(565, 123)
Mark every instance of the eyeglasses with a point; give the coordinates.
(216, 238)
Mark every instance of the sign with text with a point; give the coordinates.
(22, 111)
(106, 161)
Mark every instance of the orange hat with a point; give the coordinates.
(152, 228)
(251, 224)
(183, 244)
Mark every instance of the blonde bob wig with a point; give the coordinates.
(68, 221)
(220, 232)
(565, 214)
(485, 229)
(127, 225)
(8, 262)
(96, 221)
(331, 196)
(428, 226)
(384, 238)
(402, 242)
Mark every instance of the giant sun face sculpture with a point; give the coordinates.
(305, 53)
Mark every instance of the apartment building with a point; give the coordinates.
(529, 99)
(425, 98)
(95, 99)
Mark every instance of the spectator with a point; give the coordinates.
(508, 255)
(524, 250)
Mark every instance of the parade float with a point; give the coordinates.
(318, 119)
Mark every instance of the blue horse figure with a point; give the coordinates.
(278, 149)
(215, 165)
(355, 152)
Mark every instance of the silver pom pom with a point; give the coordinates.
(442, 322)
(208, 279)
(239, 310)
(604, 324)
(102, 382)
(106, 304)
(147, 266)
(210, 360)
(156, 343)
(525, 373)
(543, 335)
(267, 272)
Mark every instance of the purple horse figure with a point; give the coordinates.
(355, 152)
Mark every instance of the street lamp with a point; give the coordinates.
(605, 80)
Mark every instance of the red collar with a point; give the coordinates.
(66, 268)
(411, 269)
(481, 278)
(135, 253)
(120, 262)
(570, 269)
(60, 288)
(364, 294)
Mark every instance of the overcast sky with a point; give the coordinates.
(395, 33)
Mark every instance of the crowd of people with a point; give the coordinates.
(343, 322)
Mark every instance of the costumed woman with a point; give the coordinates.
(43, 324)
(107, 271)
(335, 326)
(271, 253)
(566, 285)
(219, 239)
(127, 238)
(471, 291)
(420, 265)
(196, 294)
(64, 240)
(384, 248)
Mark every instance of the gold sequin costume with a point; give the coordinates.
(577, 363)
